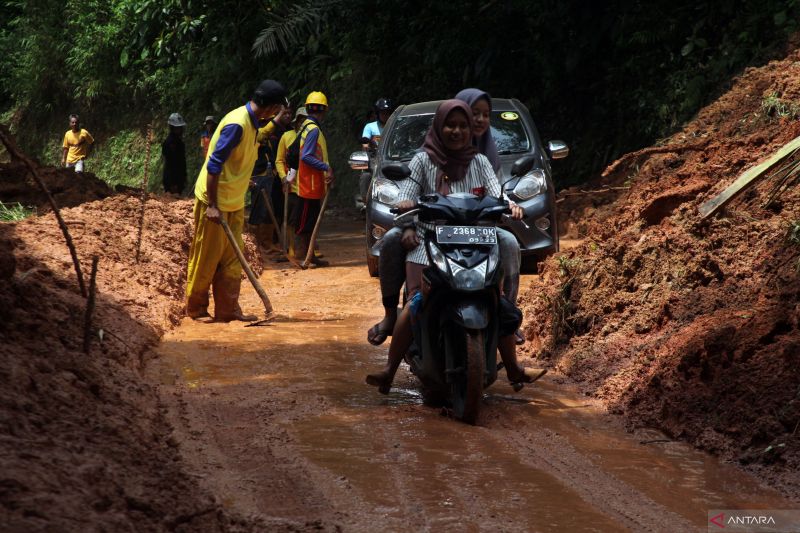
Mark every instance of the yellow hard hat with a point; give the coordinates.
(316, 97)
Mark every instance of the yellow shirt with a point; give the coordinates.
(280, 157)
(234, 179)
(78, 144)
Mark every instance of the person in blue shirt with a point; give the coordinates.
(372, 131)
(370, 138)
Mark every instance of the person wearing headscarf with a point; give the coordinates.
(447, 164)
(481, 104)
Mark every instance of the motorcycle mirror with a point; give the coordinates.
(522, 165)
(396, 171)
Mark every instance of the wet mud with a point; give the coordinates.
(277, 422)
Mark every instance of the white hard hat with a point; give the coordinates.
(176, 119)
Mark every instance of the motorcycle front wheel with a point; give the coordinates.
(467, 387)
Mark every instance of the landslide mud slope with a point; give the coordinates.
(84, 443)
(680, 324)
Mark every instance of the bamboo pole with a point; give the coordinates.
(149, 141)
(87, 320)
(16, 153)
(314, 234)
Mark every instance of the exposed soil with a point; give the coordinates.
(67, 187)
(688, 326)
(84, 443)
(685, 326)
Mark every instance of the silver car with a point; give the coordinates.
(516, 137)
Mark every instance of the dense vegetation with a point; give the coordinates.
(607, 77)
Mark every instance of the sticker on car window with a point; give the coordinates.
(509, 115)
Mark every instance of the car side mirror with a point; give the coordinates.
(557, 149)
(359, 161)
(396, 171)
(523, 165)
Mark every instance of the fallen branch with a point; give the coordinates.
(87, 320)
(144, 190)
(5, 136)
(594, 191)
(669, 149)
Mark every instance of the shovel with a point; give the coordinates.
(250, 275)
(314, 233)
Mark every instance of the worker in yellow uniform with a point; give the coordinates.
(77, 145)
(219, 194)
(314, 175)
(283, 168)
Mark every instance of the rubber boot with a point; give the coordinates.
(226, 299)
(197, 306)
(300, 247)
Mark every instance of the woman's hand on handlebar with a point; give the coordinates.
(410, 239)
(517, 213)
(404, 205)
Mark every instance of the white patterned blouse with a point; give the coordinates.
(480, 178)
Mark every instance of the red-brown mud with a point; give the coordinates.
(67, 187)
(680, 324)
(84, 443)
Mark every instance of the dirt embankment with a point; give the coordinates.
(84, 443)
(689, 326)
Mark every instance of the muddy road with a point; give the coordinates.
(277, 422)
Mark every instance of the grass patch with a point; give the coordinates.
(772, 105)
(14, 212)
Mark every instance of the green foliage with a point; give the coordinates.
(14, 212)
(793, 235)
(773, 105)
(607, 77)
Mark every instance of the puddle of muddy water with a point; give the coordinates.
(407, 463)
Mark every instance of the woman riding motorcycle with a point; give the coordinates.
(448, 163)
(392, 278)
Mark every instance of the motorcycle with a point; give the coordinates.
(457, 315)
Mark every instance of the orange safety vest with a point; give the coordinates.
(311, 181)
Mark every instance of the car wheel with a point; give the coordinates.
(529, 264)
(372, 261)
(372, 265)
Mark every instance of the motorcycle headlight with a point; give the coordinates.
(438, 258)
(385, 191)
(468, 279)
(531, 184)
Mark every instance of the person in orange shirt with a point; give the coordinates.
(209, 126)
(77, 145)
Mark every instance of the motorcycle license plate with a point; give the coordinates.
(466, 235)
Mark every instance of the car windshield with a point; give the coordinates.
(409, 132)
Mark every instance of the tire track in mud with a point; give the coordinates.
(279, 425)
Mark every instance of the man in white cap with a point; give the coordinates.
(174, 153)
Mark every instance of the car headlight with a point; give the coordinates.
(385, 191)
(530, 184)
(438, 258)
(468, 279)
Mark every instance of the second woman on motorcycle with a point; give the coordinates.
(448, 163)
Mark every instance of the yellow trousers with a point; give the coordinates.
(213, 265)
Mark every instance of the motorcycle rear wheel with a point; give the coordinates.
(467, 388)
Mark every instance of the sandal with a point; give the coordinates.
(376, 336)
(381, 380)
(529, 375)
